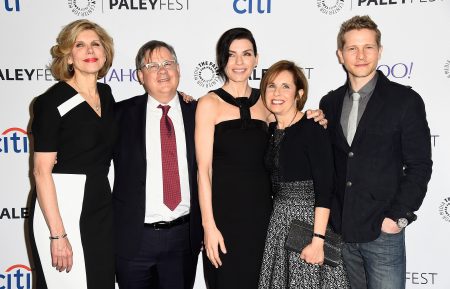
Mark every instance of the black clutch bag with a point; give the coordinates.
(300, 235)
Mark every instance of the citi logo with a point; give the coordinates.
(248, 6)
(14, 140)
(11, 6)
(16, 277)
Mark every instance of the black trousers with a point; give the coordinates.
(165, 261)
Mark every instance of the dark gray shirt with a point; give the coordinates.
(365, 92)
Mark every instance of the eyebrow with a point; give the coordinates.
(247, 50)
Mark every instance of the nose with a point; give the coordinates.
(239, 59)
(360, 54)
(90, 49)
(276, 91)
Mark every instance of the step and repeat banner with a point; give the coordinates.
(416, 40)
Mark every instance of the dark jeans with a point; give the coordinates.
(379, 264)
(165, 261)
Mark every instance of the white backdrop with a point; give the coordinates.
(416, 52)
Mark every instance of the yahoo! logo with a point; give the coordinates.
(11, 6)
(16, 277)
(14, 140)
(247, 6)
(120, 75)
(397, 70)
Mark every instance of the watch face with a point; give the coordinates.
(402, 222)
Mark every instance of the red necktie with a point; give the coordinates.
(171, 177)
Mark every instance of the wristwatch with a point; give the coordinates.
(402, 222)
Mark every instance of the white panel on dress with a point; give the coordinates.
(70, 193)
(69, 104)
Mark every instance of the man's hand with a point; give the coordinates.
(318, 116)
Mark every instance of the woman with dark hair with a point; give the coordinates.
(234, 187)
(300, 160)
(73, 135)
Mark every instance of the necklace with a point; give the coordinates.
(96, 106)
(296, 111)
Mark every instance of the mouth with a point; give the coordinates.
(241, 70)
(90, 60)
(277, 102)
(162, 80)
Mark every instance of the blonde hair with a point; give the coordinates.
(358, 23)
(65, 41)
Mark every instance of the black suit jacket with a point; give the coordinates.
(386, 170)
(130, 167)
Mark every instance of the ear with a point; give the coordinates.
(340, 56)
(380, 50)
(300, 93)
(257, 60)
(140, 76)
(69, 60)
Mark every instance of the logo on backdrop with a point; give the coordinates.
(26, 74)
(120, 75)
(16, 277)
(368, 3)
(397, 70)
(447, 68)
(444, 209)
(14, 213)
(250, 7)
(11, 6)
(421, 278)
(205, 74)
(14, 140)
(82, 8)
(257, 74)
(330, 7)
(169, 5)
(433, 139)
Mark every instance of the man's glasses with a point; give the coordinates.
(155, 66)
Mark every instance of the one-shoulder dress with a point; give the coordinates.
(241, 196)
(65, 123)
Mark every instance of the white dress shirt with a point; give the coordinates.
(155, 209)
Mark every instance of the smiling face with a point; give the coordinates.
(241, 61)
(360, 54)
(281, 94)
(161, 84)
(88, 54)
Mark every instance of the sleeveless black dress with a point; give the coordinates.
(65, 123)
(241, 196)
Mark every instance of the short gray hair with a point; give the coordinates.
(150, 47)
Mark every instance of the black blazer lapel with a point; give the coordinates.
(341, 141)
(188, 112)
(139, 111)
(372, 110)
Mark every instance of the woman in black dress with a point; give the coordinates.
(300, 160)
(73, 135)
(234, 188)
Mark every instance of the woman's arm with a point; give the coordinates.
(207, 109)
(313, 253)
(61, 250)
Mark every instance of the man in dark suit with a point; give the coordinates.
(157, 217)
(382, 151)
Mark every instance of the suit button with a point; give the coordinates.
(350, 154)
(349, 184)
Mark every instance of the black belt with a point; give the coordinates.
(168, 225)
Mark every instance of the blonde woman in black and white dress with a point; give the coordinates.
(73, 135)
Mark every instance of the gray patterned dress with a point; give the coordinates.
(297, 156)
